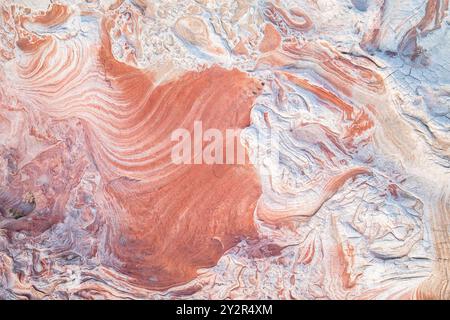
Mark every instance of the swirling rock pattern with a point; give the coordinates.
(351, 202)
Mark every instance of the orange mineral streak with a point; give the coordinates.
(345, 254)
(435, 12)
(271, 40)
(33, 43)
(432, 20)
(371, 40)
(306, 210)
(240, 49)
(345, 108)
(359, 126)
(337, 70)
(28, 41)
(58, 14)
(115, 4)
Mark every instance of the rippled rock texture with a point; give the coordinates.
(342, 109)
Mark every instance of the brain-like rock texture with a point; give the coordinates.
(340, 111)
